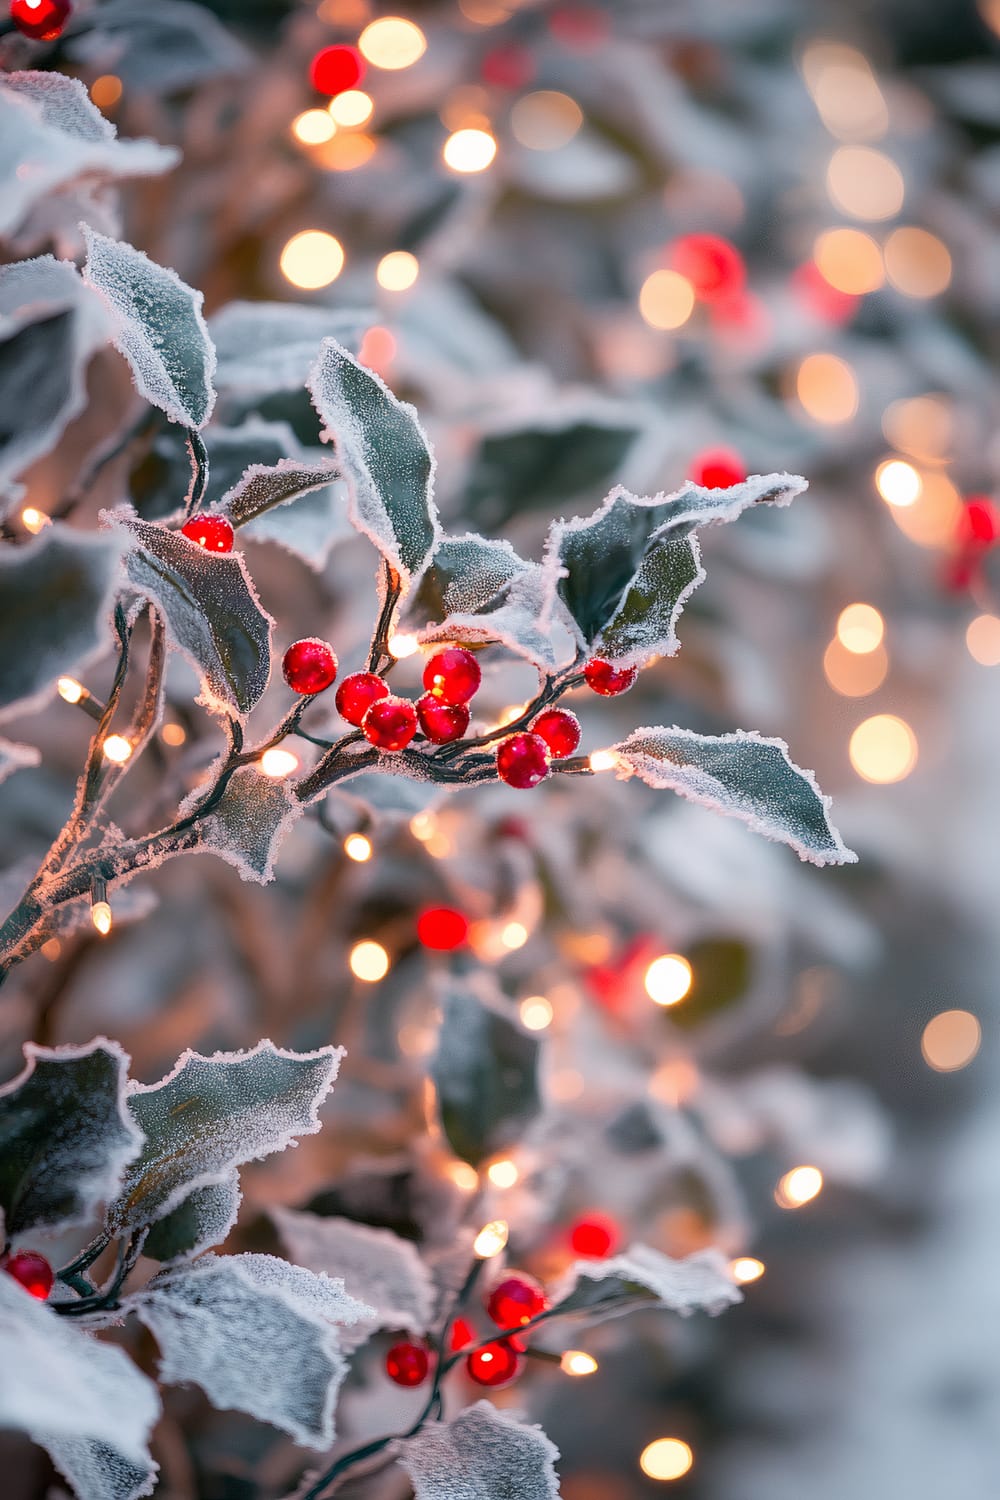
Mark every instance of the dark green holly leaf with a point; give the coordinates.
(485, 1075)
(248, 825)
(484, 1454)
(203, 1219)
(645, 622)
(698, 1283)
(263, 487)
(545, 466)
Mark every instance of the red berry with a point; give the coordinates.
(442, 722)
(212, 532)
(980, 522)
(605, 678)
(390, 724)
(717, 469)
(559, 729)
(309, 665)
(452, 675)
(441, 928)
(407, 1364)
(494, 1364)
(595, 1236)
(510, 67)
(42, 20)
(462, 1334)
(713, 266)
(357, 693)
(32, 1271)
(522, 760)
(516, 1300)
(335, 69)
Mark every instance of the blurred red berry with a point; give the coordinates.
(407, 1364)
(442, 928)
(713, 266)
(335, 69)
(42, 20)
(494, 1364)
(32, 1271)
(516, 1300)
(717, 469)
(594, 1237)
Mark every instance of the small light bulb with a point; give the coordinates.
(536, 1013)
(463, 1176)
(503, 1174)
(173, 734)
(666, 1458)
(100, 915)
(469, 150)
(423, 826)
(402, 645)
(668, 979)
(352, 107)
(576, 1362)
(117, 749)
(603, 760)
(746, 1268)
(514, 935)
(34, 520)
(491, 1239)
(69, 689)
(313, 127)
(358, 848)
(278, 763)
(799, 1186)
(397, 271)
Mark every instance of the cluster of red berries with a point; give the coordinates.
(31, 1270)
(524, 759)
(512, 1302)
(42, 20)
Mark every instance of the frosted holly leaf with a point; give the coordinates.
(256, 1334)
(696, 1283)
(16, 757)
(485, 1076)
(202, 1220)
(57, 591)
(161, 331)
(645, 622)
(484, 1454)
(212, 612)
(383, 455)
(212, 1114)
(81, 1399)
(742, 775)
(247, 827)
(159, 49)
(263, 487)
(66, 1135)
(309, 528)
(271, 346)
(546, 463)
(375, 1264)
(64, 103)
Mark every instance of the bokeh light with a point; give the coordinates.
(351, 108)
(897, 482)
(392, 43)
(545, 120)
(860, 628)
(536, 1012)
(469, 150)
(827, 388)
(278, 762)
(798, 1187)
(666, 299)
(368, 961)
(668, 979)
(855, 675)
(982, 637)
(850, 261)
(951, 1040)
(745, 1269)
(313, 127)
(311, 259)
(883, 749)
(917, 263)
(864, 183)
(397, 271)
(666, 1458)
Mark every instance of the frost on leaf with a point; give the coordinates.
(66, 1134)
(161, 48)
(263, 487)
(265, 347)
(484, 1074)
(202, 1220)
(212, 612)
(161, 331)
(256, 1334)
(212, 1114)
(697, 1283)
(744, 776)
(375, 1264)
(296, 503)
(383, 455)
(57, 590)
(484, 1454)
(81, 1399)
(16, 757)
(248, 825)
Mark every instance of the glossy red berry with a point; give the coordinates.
(605, 678)
(309, 665)
(390, 724)
(357, 693)
(442, 928)
(442, 722)
(212, 532)
(335, 69)
(494, 1364)
(32, 1271)
(559, 729)
(462, 1335)
(594, 1237)
(523, 760)
(516, 1300)
(717, 469)
(42, 20)
(407, 1364)
(452, 675)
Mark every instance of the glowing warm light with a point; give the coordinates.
(922, 426)
(369, 961)
(378, 348)
(106, 91)
(173, 734)
(827, 389)
(667, 1458)
(70, 689)
(666, 299)
(951, 1040)
(510, 713)
(352, 107)
(503, 1174)
(983, 640)
(933, 519)
(545, 120)
(535, 1012)
(746, 1268)
(603, 760)
(799, 1186)
(883, 749)
(277, 763)
(484, 12)
(491, 1239)
(397, 271)
(463, 1176)
(358, 848)
(897, 482)
(117, 749)
(917, 263)
(668, 979)
(100, 915)
(33, 519)
(850, 261)
(312, 259)
(313, 126)
(514, 935)
(423, 826)
(675, 1082)
(402, 645)
(845, 92)
(346, 152)
(860, 628)
(469, 150)
(392, 43)
(577, 1362)
(864, 183)
(855, 675)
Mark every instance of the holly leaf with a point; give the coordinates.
(81, 1399)
(161, 331)
(741, 775)
(485, 1076)
(256, 1334)
(645, 622)
(484, 1454)
(697, 1283)
(66, 1135)
(265, 347)
(212, 612)
(383, 455)
(212, 1114)
(160, 49)
(57, 591)
(263, 487)
(545, 465)
(247, 827)
(202, 1220)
